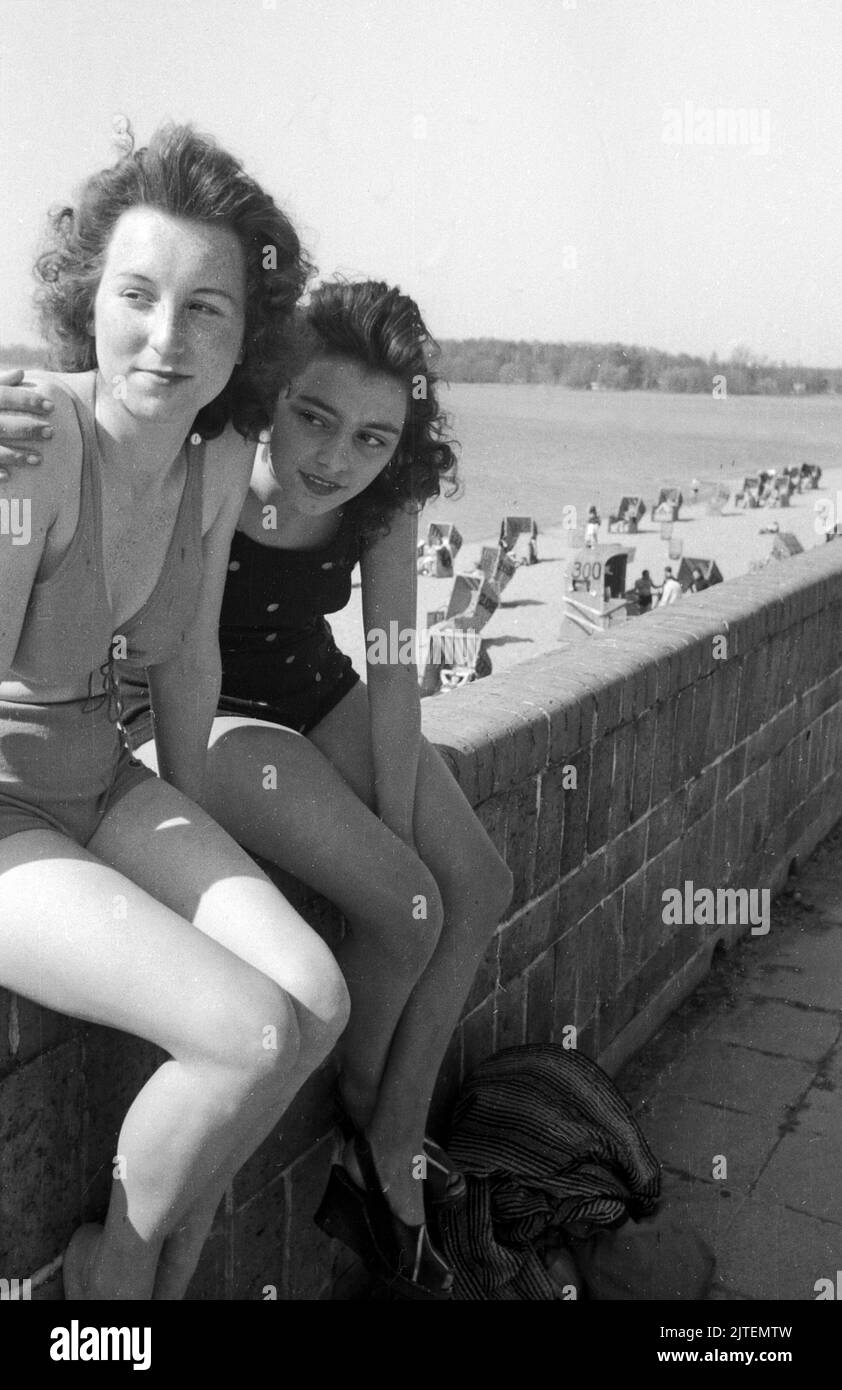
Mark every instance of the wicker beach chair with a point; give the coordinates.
(497, 565)
(628, 516)
(519, 537)
(668, 505)
(749, 494)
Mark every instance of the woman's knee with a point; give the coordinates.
(478, 892)
(323, 1004)
(250, 1032)
(301, 1020)
(427, 917)
(332, 1003)
(410, 916)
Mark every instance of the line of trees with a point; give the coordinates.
(619, 367)
(583, 366)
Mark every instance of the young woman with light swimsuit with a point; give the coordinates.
(167, 321)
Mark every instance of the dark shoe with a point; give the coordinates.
(445, 1187)
(403, 1257)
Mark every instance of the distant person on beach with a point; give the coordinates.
(123, 903)
(694, 490)
(643, 589)
(365, 811)
(592, 526)
(670, 589)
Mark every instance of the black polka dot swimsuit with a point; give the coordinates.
(279, 660)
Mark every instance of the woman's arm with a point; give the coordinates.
(184, 691)
(389, 588)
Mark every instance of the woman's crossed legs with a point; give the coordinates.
(420, 922)
(166, 929)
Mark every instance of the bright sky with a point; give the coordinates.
(504, 161)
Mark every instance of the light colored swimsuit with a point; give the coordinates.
(63, 765)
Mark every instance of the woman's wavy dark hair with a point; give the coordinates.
(188, 175)
(374, 325)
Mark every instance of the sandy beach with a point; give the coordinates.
(529, 618)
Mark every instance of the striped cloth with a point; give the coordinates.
(546, 1141)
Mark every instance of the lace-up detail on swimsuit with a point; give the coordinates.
(69, 623)
(110, 693)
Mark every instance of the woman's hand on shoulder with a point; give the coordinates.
(25, 411)
(59, 454)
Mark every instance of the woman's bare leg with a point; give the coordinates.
(317, 826)
(314, 826)
(475, 887)
(151, 973)
(61, 946)
(149, 836)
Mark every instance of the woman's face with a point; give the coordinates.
(334, 431)
(169, 314)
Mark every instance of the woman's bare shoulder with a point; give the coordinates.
(229, 460)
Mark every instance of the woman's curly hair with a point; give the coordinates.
(188, 175)
(374, 325)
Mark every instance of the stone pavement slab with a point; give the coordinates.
(822, 1111)
(750, 1067)
(739, 1078)
(804, 1175)
(772, 1025)
(831, 1068)
(711, 1207)
(773, 1252)
(806, 968)
(692, 1137)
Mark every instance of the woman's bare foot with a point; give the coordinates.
(78, 1258)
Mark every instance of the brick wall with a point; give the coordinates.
(702, 743)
